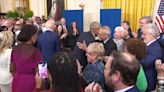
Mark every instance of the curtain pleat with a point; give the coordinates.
(132, 10)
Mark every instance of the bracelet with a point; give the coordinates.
(160, 78)
(161, 81)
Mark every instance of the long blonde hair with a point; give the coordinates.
(6, 40)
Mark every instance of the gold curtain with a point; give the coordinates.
(132, 10)
(12, 5)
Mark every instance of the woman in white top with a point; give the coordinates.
(118, 37)
(6, 40)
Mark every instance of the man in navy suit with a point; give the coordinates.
(83, 41)
(49, 42)
(150, 34)
(105, 36)
(160, 39)
(121, 71)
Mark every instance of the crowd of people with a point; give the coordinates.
(93, 61)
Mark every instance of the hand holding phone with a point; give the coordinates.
(42, 67)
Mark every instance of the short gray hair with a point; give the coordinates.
(152, 29)
(121, 29)
(148, 19)
(94, 24)
(106, 28)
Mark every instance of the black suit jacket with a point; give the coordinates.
(80, 54)
(139, 32)
(133, 89)
(109, 46)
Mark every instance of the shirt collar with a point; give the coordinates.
(125, 89)
(47, 29)
(150, 42)
(106, 40)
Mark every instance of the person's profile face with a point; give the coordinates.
(142, 23)
(146, 36)
(107, 70)
(125, 26)
(91, 57)
(117, 34)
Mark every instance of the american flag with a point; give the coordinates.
(159, 21)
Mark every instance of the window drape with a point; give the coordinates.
(132, 10)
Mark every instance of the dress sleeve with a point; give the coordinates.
(12, 59)
(37, 58)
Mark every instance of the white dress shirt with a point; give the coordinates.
(125, 89)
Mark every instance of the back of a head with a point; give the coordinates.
(136, 47)
(50, 24)
(26, 33)
(6, 40)
(94, 25)
(127, 65)
(64, 73)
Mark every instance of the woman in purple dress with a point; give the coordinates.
(24, 60)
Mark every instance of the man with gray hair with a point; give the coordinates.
(83, 41)
(150, 34)
(49, 42)
(105, 37)
(143, 21)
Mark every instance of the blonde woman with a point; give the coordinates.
(93, 72)
(6, 40)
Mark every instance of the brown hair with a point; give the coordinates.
(127, 65)
(136, 47)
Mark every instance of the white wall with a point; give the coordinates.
(38, 7)
(91, 10)
(6, 5)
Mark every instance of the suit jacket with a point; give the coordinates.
(133, 89)
(80, 54)
(161, 42)
(148, 63)
(109, 46)
(139, 32)
(49, 44)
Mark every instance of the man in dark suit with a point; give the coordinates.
(160, 39)
(150, 34)
(105, 36)
(49, 42)
(83, 41)
(121, 71)
(143, 21)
